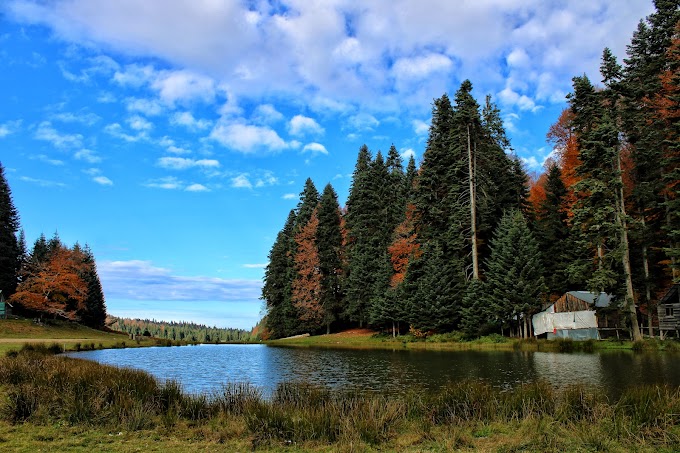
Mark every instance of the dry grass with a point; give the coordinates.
(60, 404)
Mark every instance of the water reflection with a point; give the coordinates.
(205, 368)
(567, 369)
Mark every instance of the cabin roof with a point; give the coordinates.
(671, 296)
(601, 300)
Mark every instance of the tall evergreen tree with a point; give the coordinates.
(9, 245)
(514, 275)
(94, 312)
(552, 233)
(409, 178)
(278, 277)
(363, 223)
(309, 199)
(329, 245)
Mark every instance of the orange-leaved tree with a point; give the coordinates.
(54, 286)
(307, 283)
(403, 247)
(565, 141)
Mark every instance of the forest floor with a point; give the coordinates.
(15, 333)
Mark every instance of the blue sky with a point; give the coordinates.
(174, 136)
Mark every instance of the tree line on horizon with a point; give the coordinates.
(178, 331)
(468, 242)
(51, 279)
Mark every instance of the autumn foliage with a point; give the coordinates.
(403, 247)
(55, 286)
(307, 282)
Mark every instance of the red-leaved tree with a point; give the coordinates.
(307, 283)
(55, 286)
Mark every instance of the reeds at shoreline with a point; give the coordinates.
(41, 388)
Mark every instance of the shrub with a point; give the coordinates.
(564, 344)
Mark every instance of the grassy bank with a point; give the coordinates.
(365, 339)
(56, 403)
(15, 333)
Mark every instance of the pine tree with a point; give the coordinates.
(514, 274)
(329, 245)
(278, 276)
(477, 318)
(309, 199)
(552, 232)
(364, 234)
(94, 312)
(9, 245)
(409, 178)
(435, 290)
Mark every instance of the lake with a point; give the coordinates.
(204, 368)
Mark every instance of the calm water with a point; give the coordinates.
(205, 368)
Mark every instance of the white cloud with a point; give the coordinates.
(420, 127)
(47, 160)
(106, 97)
(301, 125)
(241, 181)
(102, 180)
(97, 176)
(249, 181)
(197, 188)
(116, 130)
(255, 266)
(134, 75)
(289, 196)
(88, 119)
(42, 182)
(363, 122)
(88, 156)
(138, 123)
(511, 98)
(246, 138)
(9, 128)
(181, 163)
(315, 148)
(187, 120)
(420, 67)
(141, 280)
(46, 132)
(167, 183)
(266, 113)
(518, 58)
(408, 153)
(148, 107)
(267, 178)
(184, 86)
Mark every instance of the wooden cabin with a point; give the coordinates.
(5, 307)
(579, 315)
(668, 309)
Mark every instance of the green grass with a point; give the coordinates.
(455, 341)
(51, 402)
(15, 333)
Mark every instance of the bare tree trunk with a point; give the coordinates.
(648, 288)
(473, 208)
(621, 217)
(394, 332)
(674, 265)
(600, 256)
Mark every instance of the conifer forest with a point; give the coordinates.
(466, 240)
